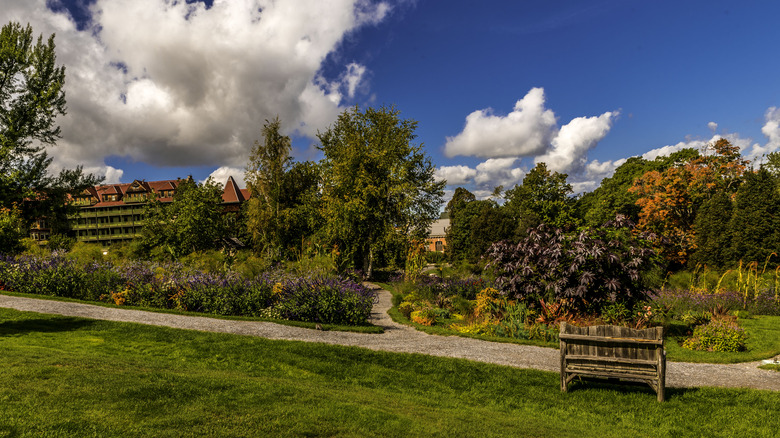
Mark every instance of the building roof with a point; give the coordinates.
(231, 193)
(439, 227)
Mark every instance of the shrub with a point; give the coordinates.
(174, 286)
(615, 313)
(425, 316)
(591, 267)
(406, 308)
(717, 335)
(325, 299)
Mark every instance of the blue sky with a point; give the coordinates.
(161, 89)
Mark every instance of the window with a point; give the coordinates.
(439, 246)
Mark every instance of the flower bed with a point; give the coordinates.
(333, 300)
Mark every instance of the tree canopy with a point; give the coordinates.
(378, 188)
(32, 96)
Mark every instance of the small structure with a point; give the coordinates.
(613, 352)
(437, 235)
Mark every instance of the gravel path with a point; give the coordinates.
(403, 339)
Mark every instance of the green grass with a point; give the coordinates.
(763, 342)
(771, 367)
(763, 338)
(64, 376)
(368, 328)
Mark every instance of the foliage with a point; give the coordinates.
(544, 197)
(615, 313)
(192, 222)
(755, 224)
(415, 260)
(591, 267)
(11, 231)
(324, 299)
(282, 211)
(670, 199)
(474, 226)
(612, 197)
(31, 98)
(713, 232)
(173, 286)
(717, 335)
(378, 189)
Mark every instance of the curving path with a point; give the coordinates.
(403, 339)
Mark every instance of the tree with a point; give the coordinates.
(283, 209)
(377, 187)
(543, 197)
(670, 199)
(755, 222)
(712, 233)
(192, 222)
(264, 176)
(31, 97)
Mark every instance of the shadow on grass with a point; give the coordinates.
(624, 387)
(21, 327)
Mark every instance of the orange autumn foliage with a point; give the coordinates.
(670, 199)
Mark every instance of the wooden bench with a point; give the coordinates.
(613, 352)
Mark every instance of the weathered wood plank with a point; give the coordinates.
(613, 352)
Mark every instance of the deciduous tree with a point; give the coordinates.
(377, 186)
(543, 197)
(31, 97)
(192, 222)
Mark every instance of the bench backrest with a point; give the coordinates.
(612, 341)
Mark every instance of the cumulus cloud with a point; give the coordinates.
(572, 143)
(222, 174)
(173, 83)
(526, 131)
(455, 175)
(713, 126)
(498, 172)
(530, 130)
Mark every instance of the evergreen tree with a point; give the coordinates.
(712, 231)
(755, 222)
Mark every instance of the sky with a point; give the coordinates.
(160, 89)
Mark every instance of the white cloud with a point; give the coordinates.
(455, 175)
(713, 126)
(771, 130)
(498, 172)
(572, 143)
(172, 83)
(221, 176)
(530, 130)
(526, 131)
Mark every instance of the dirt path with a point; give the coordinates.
(403, 339)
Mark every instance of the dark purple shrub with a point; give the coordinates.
(591, 267)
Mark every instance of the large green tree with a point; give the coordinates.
(268, 163)
(544, 197)
(377, 186)
(755, 223)
(283, 209)
(31, 97)
(192, 222)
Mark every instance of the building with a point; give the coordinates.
(437, 237)
(115, 212)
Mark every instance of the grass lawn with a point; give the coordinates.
(64, 376)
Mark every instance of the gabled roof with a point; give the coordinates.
(138, 186)
(232, 194)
